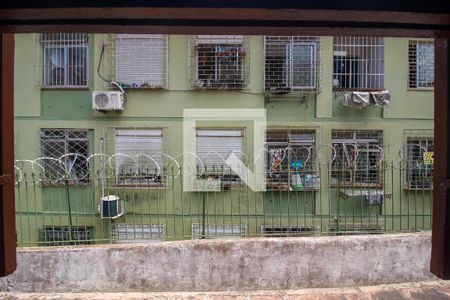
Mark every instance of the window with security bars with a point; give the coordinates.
(140, 60)
(421, 64)
(291, 63)
(218, 62)
(65, 153)
(64, 59)
(65, 235)
(139, 156)
(419, 172)
(137, 233)
(358, 63)
(291, 154)
(357, 158)
(213, 147)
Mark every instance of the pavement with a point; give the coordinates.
(430, 290)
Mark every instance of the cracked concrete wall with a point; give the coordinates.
(213, 265)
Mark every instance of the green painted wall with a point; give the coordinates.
(37, 108)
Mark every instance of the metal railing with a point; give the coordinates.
(145, 205)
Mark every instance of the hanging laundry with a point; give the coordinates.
(356, 99)
(374, 199)
(381, 98)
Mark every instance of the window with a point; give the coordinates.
(419, 173)
(61, 235)
(358, 63)
(139, 156)
(357, 157)
(288, 230)
(291, 63)
(137, 233)
(65, 152)
(65, 59)
(140, 60)
(291, 160)
(219, 62)
(214, 146)
(211, 231)
(421, 64)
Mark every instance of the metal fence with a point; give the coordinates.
(148, 203)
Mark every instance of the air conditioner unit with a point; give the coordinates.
(111, 207)
(107, 100)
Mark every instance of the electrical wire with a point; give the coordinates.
(108, 80)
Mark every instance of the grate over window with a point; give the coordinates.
(137, 233)
(288, 230)
(211, 231)
(218, 62)
(65, 59)
(62, 235)
(65, 153)
(358, 63)
(290, 154)
(291, 63)
(138, 60)
(419, 173)
(421, 64)
(139, 155)
(357, 157)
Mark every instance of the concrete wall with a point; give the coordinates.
(246, 264)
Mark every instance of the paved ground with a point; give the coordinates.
(433, 290)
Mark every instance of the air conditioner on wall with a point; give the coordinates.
(106, 100)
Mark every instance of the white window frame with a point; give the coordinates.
(65, 157)
(414, 64)
(214, 154)
(289, 73)
(139, 53)
(218, 80)
(153, 175)
(366, 146)
(365, 53)
(282, 172)
(415, 164)
(47, 45)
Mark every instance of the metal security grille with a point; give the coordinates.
(211, 231)
(65, 153)
(138, 153)
(288, 230)
(65, 59)
(136, 233)
(358, 62)
(419, 172)
(63, 235)
(138, 60)
(289, 152)
(291, 63)
(357, 157)
(214, 146)
(218, 62)
(421, 64)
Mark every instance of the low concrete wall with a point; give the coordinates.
(213, 265)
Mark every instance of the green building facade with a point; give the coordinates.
(332, 167)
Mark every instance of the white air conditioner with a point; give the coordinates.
(107, 101)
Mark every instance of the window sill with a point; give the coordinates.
(227, 88)
(412, 189)
(65, 88)
(421, 89)
(357, 90)
(142, 88)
